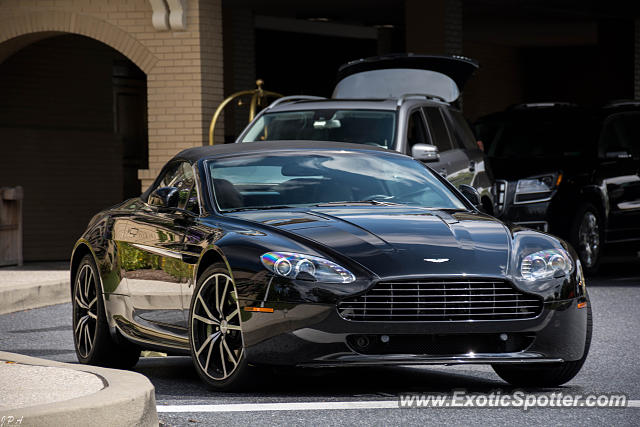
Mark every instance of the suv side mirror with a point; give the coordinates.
(164, 197)
(471, 194)
(425, 152)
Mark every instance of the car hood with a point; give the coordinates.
(392, 76)
(400, 241)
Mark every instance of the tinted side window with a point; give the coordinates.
(179, 175)
(416, 132)
(620, 136)
(462, 134)
(437, 128)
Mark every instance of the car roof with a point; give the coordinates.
(208, 151)
(351, 104)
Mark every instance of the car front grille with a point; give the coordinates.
(450, 299)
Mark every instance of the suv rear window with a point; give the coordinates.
(372, 127)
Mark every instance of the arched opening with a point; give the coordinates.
(73, 134)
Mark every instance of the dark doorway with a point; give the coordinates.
(72, 134)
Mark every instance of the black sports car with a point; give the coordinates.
(324, 254)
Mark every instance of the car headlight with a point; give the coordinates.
(306, 267)
(536, 189)
(545, 264)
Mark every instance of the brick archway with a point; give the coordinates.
(29, 26)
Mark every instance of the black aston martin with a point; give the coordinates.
(324, 254)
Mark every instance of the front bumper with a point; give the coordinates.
(316, 335)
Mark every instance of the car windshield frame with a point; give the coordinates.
(320, 115)
(458, 202)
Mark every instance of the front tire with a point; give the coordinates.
(215, 331)
(586, 237)
(91, 336)
(546, 376)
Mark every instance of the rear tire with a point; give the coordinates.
(92, 339)
(551, 375)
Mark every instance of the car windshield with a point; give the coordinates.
(538, 134)
(295, 179)
(372, 127)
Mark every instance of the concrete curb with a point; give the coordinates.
(128, 399)
(23, 297)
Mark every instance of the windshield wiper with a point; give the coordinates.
(257, 208)
(359, 202)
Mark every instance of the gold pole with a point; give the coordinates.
(258, 95)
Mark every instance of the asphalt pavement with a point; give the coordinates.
(611, 367)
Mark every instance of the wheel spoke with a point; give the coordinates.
(204, 344)
(88, 333)
(87, 283)
(81, 303)
(231, 356)
(206, 309)
(92, 315)
(217, 298)
(213, 341)
(205, 320)
(234, 328)
(78, 330)
(232, 315)
(93, 301)
(223, 296)
(224, 366)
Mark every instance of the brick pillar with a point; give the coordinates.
(243, 62)
(185, 85)
(434, 26)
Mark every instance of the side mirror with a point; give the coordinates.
(425, 152)
(471, 194)
(164, 197)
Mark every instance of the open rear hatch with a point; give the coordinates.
(392, 76)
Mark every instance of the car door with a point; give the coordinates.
(452, 160)
(477, 173)
(154, 267)
(619, 153)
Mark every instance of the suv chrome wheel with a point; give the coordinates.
(85, 310)
(589, 239)
(216, 332)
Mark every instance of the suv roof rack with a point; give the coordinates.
(406, 96)
(542, 104)
(293, 98)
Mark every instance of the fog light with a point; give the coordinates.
(362, 342)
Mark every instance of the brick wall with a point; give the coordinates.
(184, 68)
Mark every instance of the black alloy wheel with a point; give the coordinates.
(92, 339)
(216, 339)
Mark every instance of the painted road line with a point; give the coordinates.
(284, 406)
(301, 406)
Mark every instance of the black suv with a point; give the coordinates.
(402, 102)
(569, 170)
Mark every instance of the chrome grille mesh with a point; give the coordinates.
(456, 299)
